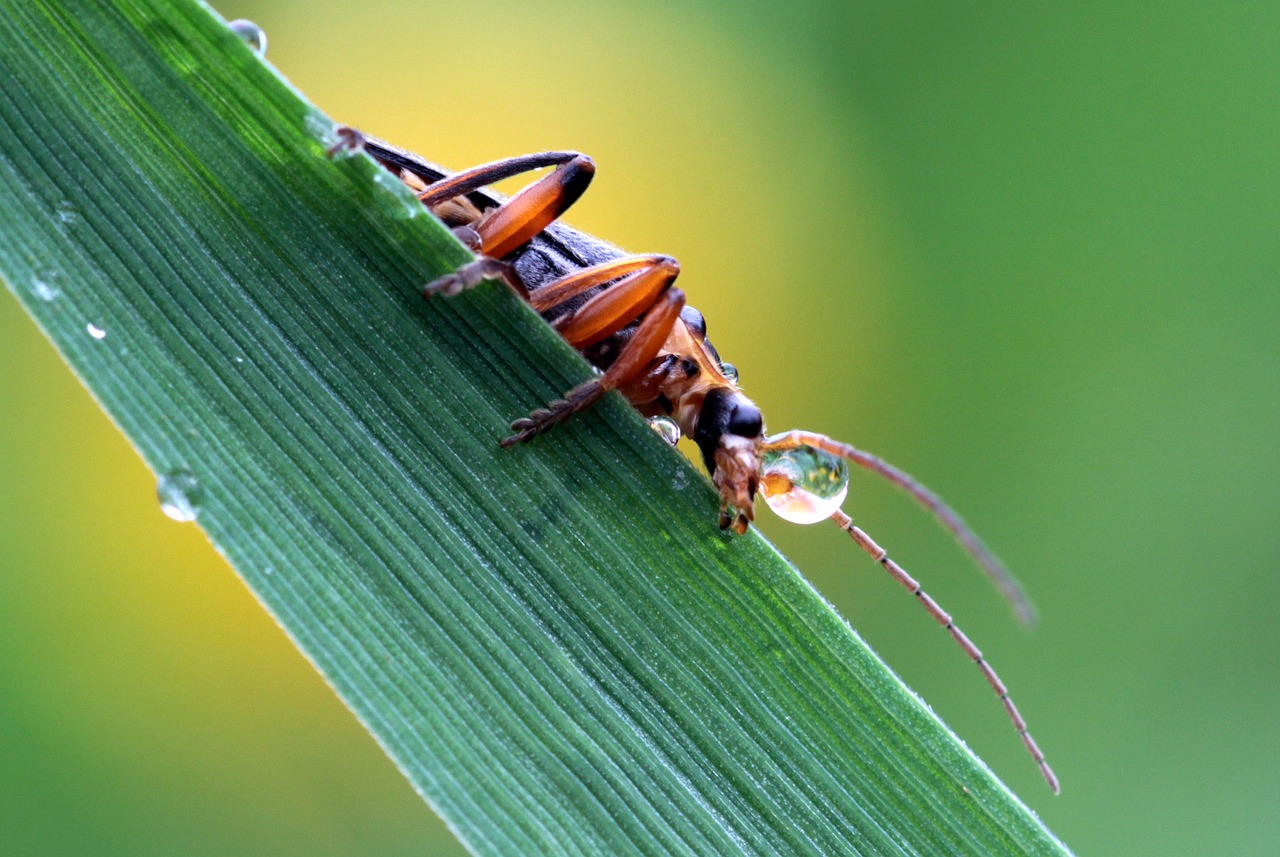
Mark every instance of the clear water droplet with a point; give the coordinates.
(729, 371)
(253, 35)
(320, 127)
(667, 429)
(804, 485)
(680, 478)
(44, 285)
(402, 204)
(67, 214)
(180, 495)
(97, 331)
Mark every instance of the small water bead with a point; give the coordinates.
(67, 214)
(403, 203)
(318, 126)
(729, 371)
(44, 285)
(807, 484)
(680, 478)
(666, 428)
(253, 35)
(97, 331)
(322, 129)
(180, 495)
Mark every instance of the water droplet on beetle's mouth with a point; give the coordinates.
(811, 484)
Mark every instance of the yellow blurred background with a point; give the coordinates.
(1028, 253)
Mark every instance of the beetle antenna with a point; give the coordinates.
(1004, 581)
(975, 654)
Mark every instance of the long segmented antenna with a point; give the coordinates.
(899, 574)
(982, 555)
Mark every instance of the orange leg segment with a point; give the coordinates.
(515, 222)
(570, 286)
(632, 363)
(617, 306)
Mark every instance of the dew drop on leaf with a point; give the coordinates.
(44, 285)
(400, 205)
(254, 36)
(666, 428)
(67, 214)
(179, 494)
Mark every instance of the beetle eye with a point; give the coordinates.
(745, 421)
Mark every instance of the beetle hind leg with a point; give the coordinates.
(660, 313)
(578, 399)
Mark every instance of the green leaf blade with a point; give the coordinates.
(554, 642)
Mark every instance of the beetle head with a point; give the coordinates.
(729, 433)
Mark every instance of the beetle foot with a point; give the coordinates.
(578, 399)
(468, 276)
(527, 428)
(350, 141)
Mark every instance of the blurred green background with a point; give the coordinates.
(1026, 252)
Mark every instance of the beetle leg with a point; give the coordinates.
(617, 306)
(511, 225)
(645, 391)
(660, 315)
(471, 275)
(556, 292)
(468, 236)
(348, 139)
(514, 222)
